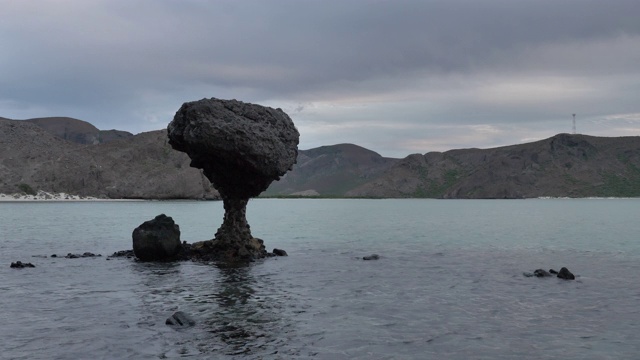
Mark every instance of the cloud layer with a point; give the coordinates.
(397, 77)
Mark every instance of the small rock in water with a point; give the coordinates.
(84, 255)
(566, 274)
(553, 272)
(279, 252)
(21, 265)
(541, 273)
(371, 257)
(179, 318)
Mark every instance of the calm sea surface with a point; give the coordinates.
(449, 283)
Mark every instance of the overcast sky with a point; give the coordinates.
(397, 77)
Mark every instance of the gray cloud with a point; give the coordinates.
(395, 76)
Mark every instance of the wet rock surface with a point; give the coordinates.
(21, 265)
(241, 149)
(564, 273)
(180, 319)
(157, 239)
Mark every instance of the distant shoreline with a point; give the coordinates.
(43, 196)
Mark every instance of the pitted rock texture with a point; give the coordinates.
(157, 239)
(241, 148)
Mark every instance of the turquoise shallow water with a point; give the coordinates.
(449, 283)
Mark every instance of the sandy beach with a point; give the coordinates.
(45, 196)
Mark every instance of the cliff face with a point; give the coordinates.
(562, 166)
(141, 166)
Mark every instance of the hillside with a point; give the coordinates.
(561, 166)
(44, 154)
(141, 166)
(330, 171)
(78, 131)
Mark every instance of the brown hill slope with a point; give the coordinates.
(142, 166)
(561, 166)
(330, 171)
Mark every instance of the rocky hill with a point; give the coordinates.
(78, 131)
(561, 166)
(330, 171)
(35, 155)
(142, 166)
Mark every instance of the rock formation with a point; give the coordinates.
(157, 239)
(241, 149)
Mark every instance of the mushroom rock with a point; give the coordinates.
(241, 148)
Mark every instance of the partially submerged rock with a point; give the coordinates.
(371, 257)
(279, 252)
(21, 265)
(157, 239)
(241, 149)
(83, 255)
(180, 319)
(563, 274)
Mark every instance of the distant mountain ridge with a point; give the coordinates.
(64, 155)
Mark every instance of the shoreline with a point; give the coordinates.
(43, 196)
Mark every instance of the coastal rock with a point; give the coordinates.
(371, 257)
(21, 265)
(565, 274)
(541, 273)
(180, 319)
(279, 252)
(241, 149)
(157, 239)
(83, 255)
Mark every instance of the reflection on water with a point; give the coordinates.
(236, 312)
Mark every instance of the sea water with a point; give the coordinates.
(449, 283)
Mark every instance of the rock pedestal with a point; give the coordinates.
(241, 148)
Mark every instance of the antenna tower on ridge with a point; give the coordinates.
(574, 124)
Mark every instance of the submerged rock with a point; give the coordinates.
(541, 273)
(279, 252)
(241, 148)
(371, 257)
(157, 239)
(21, 265)
(563, 274)
(83, 255)
(180, 319)
(566, 274)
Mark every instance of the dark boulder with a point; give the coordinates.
(21, 265)
(371, 257)
(565, 274)
(180, 319)
(541, 273)
(241, 148)
(157, 239)
(83, 255)
(279, 252)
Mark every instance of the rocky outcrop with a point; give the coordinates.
(241, 149)
(279, 252)
(157, 239)
(21, 265)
